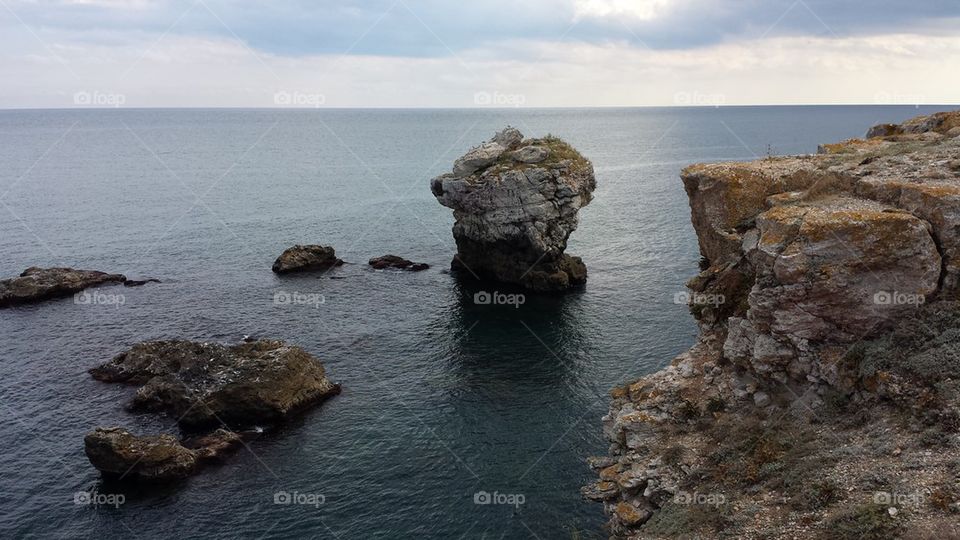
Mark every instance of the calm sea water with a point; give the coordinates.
(442, 398)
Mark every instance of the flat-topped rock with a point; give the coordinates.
(399, 263)
(38, 284)
(515, 204)
(206, 385)
(306, 258)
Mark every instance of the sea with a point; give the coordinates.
(458, 418)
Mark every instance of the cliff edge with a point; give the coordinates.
(821, 398)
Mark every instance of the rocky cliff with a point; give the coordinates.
(822, 395)
(515, 203)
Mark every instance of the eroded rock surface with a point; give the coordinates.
(306, 258)
(515, 204)
(806, 259)
(37, 284)
(121, 455)
(203, 385)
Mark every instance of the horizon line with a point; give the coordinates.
(402, 108)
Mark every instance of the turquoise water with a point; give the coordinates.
(442, 398)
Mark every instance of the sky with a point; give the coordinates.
(477, 53)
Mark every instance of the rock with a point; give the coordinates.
(513, 217)
(812, 256)
(37, 284)
(393, 261)
(205, 384)
(883, 130)
(306, 258)
(530, 154)
(600, 491)
(214, 446)
(140, 282)
(118, 454)
(600, 462)
(761, 399)
(487, 153)
(631, 515)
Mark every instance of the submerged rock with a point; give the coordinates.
(206, 384)
(393, 261)
(515, 204)
(306, 258)
(37, 284)
(140, 282)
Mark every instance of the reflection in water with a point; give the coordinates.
(508, 336)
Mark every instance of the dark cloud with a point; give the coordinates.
(430, 28)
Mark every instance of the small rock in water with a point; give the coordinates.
(140, 282)
(208, 384)
(36, 284)
(393, 261)
(305, 258)
(119, 454)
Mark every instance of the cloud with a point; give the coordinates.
(436, 28)
(427, 53)
(644, 10)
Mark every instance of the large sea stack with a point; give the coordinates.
(822, 398)
(515, 203)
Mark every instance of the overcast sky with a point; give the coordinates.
(477, 53)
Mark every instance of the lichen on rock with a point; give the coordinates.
(813, 257)
(515, 204)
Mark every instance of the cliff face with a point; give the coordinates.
(811, 260)
(515, 203)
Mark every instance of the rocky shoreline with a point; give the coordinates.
(822, 398)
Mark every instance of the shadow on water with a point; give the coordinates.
(510, 335)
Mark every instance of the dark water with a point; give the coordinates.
(442, 398)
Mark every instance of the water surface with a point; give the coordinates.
(442, 398)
